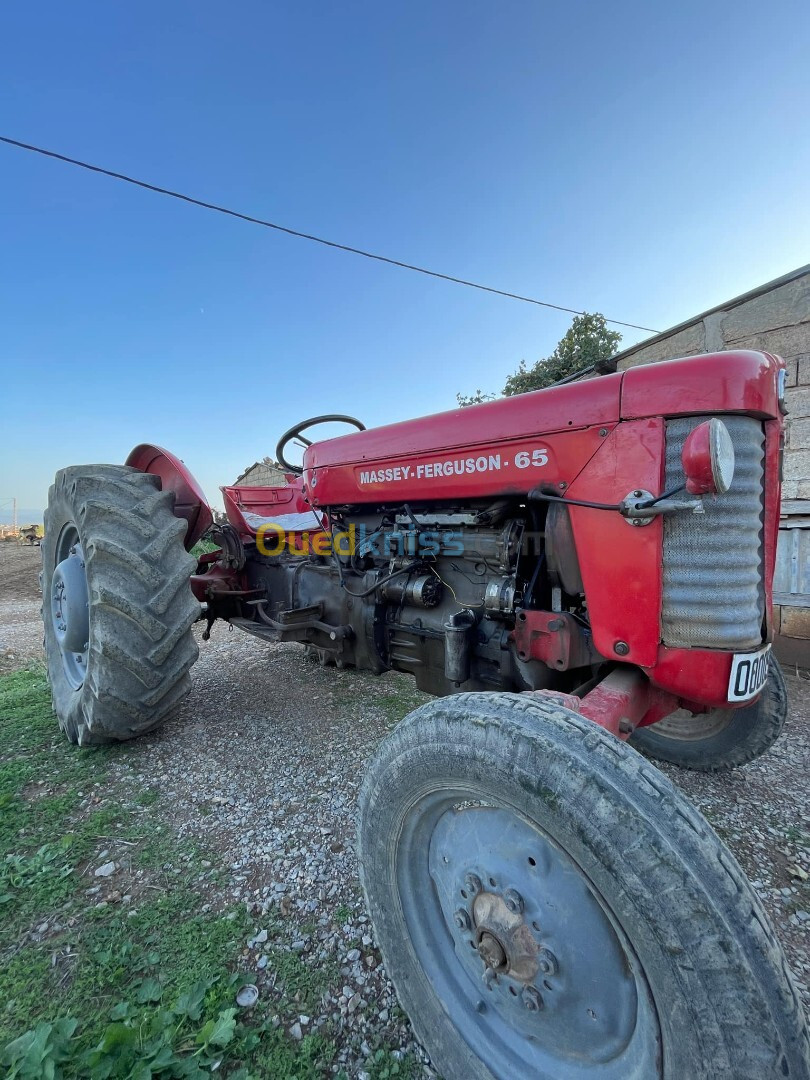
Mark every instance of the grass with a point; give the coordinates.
(393, 697)
(139, 990)
(204, 547)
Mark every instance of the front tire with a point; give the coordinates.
(550, 907)
(117, 603)
(720, 739)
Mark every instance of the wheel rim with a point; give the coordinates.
(691, 727)
(70, 606)
(529, 963)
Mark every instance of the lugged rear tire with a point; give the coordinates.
(111, 531)
(720, 739)
(493, 825)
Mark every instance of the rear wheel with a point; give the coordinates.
(550, 907)
(721, 738)
(116, 603)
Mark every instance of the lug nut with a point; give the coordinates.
(547, 962)
(514, 901)
(472, 883)
(462, 919)
(532, 999)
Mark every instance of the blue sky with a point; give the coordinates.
(642, 160)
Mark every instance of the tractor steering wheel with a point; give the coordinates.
(295, 433)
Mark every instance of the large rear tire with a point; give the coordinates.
(117, 604)
(550, 907)
(720, 739)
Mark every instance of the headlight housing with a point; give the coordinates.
(708, 459)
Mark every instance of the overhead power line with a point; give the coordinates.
(302, 235)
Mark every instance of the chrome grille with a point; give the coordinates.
(712, 563)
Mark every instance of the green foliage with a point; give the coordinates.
(478, 398)
(204, 547)
(92, 988)
(137, 1043)
(45, 870)
(383, 1065)
(40, 1054)
(587, 342)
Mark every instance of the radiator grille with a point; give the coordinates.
(712, 563)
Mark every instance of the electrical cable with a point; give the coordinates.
(542, 497)
(301, 235)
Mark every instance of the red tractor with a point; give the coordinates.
(577, 574)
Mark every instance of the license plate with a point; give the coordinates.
(749, 673)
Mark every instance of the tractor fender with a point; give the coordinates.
(189, 501)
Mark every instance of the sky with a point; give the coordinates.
(642, 160)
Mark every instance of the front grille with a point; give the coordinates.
(712, 563)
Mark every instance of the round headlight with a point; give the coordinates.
(708, 458)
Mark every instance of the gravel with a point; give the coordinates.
(262, 770)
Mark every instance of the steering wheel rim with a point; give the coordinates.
(295, 433)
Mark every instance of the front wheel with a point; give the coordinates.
(550, 907)
(721, 738)
(116, 603)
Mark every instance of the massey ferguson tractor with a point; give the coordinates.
(577, 574)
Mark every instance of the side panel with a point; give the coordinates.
(442, 444)
(621, 563)
(479, 470)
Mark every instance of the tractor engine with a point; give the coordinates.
(433, 590)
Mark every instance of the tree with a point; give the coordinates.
(587, 342)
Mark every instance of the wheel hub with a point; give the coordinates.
(70, 612)
(492, 952)
(528, 950)
(505, 942)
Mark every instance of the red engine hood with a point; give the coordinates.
(490, 449)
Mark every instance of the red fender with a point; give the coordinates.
(189, 501)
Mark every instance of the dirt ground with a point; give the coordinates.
(263, 768)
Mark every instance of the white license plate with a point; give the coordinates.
(749, 673)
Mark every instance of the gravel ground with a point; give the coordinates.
(262, 770)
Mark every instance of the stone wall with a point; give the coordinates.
(265, 473)
(774, 318)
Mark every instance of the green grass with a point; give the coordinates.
(145, 989)
(204, 547)
(394, 697)
(120, 991)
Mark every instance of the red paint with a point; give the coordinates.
(620, 703)
(697, 461)
(554, 637)
(217, 580)
(621, 563)
(510, 466)
(623, 699)
(556, 409)
(189, 501)
(694, 674)
(735, 382)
